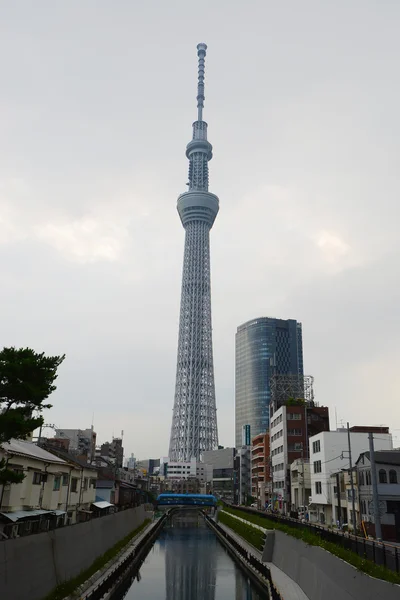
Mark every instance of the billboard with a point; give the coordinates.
(246, 439)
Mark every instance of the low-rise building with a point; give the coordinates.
(56, 490)
(329, 453)
(341, 494)
(387, 464)
(180, 471)
(300, 484)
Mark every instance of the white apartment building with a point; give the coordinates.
(279, 458)
(185, 470)
(329, 453)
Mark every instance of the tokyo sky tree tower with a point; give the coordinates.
(194, 421)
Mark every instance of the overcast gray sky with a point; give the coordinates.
(96, 104)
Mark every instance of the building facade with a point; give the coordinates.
(55, 491)
(329, 453)
(260, 469)
(387, 465)
(114, 451)
(291, 427)
(341, 494)
(264, 346)
(193, 469)
(243, 456)
(300, 484)
(80, 441)
(224, 475)
(194, 420)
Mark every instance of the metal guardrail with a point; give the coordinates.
(257, 565)
(384, 554)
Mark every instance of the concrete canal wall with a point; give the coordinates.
(323, 575)
(31, 567)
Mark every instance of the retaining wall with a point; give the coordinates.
(31, 567)
(323, 575)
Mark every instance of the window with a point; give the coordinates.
(293, 417)
(392, 476)
(74, 484)
(318, 487)
(85, 483)
(361, 478)
(317, 466)
(316, 446)
(295, 432)
(39, 478)
(56, 483)
(65, 479)
(382, 476)
(367, 477)
(296, 447)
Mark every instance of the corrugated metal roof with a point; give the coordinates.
(22, 448)
(102, 504)
(21, 514)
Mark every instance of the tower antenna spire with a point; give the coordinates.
(201, 53)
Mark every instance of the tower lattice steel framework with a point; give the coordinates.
(194, 421)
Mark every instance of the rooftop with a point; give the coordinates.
(67, 457)
(22, 448)
(385, 457)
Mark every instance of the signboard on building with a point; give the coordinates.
(246, 439)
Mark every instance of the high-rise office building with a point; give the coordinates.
(194, 421)
(264, 347)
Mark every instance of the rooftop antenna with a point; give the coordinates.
(201, 53)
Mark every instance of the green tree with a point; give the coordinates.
(26, 381)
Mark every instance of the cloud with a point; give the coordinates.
(87, 239)
(334, 249)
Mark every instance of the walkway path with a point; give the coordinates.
(288, 588)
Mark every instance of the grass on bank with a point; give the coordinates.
(362, 564)
(68, 587)
(255, 537)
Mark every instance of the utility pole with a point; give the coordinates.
(339, 508)
(353, 502)
(375, 497)
(303, 483)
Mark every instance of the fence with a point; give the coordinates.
(257, 565)
(380, 553)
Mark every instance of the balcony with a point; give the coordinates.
(257, 447)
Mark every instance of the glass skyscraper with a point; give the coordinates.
(263, 346)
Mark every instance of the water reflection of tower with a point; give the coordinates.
(244, 587)
(190, 563)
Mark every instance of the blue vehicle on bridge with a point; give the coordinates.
(186, 500)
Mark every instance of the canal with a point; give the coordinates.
(187, 562)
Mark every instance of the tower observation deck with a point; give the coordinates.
(194, 420)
